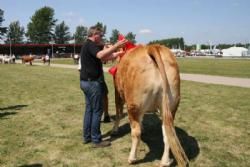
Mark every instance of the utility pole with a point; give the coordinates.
(52, 48)
(52, 51)
(74, 45)
(10, 48)
(10, 44)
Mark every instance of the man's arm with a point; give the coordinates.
(113, 55)
(108, 54)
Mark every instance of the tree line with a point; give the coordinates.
(43, 29)
(178, 43)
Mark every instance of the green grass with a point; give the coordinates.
(41, 123)
(58, 61)
(62, 61)
(216, 66)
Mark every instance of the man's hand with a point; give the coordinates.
(107, 54)
(120, 43)
(119, 53)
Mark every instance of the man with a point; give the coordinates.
(47, 59)
(93, 85)
(106, 117)
(76, 58)
(13, 59)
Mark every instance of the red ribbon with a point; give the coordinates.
(129, 45)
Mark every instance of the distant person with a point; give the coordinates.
(13, 57)
(76, 58)
(92, 83)
(47, 59)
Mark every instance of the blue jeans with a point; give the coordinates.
(93, 91)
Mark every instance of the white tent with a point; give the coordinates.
(234, 51)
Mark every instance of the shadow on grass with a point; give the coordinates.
(4, 111)
(32, 165)
(123, 130)
(152, 137)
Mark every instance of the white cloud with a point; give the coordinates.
(145, 31)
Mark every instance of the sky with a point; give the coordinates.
(197, 21)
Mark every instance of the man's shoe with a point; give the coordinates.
(101, 144)
(86, 141)
(106, 119)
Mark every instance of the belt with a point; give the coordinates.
(100, 78)
(89, 79)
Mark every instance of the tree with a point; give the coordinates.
(203, 46)
(40, 29)
(190, 47)
(171, 42)
(15, 33)
(114, 36)
(224, 46)
(3, 30)
(80, 34)
(62, 34)
(1, 16)
(131, 37)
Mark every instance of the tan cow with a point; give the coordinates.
(148, 79)
(27, 59)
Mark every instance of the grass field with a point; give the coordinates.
(216, 66)
(41, 123)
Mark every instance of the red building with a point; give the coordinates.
(59, 50)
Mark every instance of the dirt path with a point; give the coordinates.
(220, 80)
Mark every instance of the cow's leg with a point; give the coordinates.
(119, 111)
(106, 107)
(165, 160)
(135, 120)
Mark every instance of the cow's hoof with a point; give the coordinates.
(131, 161)
(167, 164)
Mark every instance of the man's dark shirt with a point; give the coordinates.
(91, 66)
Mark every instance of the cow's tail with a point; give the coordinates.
(176, 148)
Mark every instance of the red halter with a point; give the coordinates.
(129, 45)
